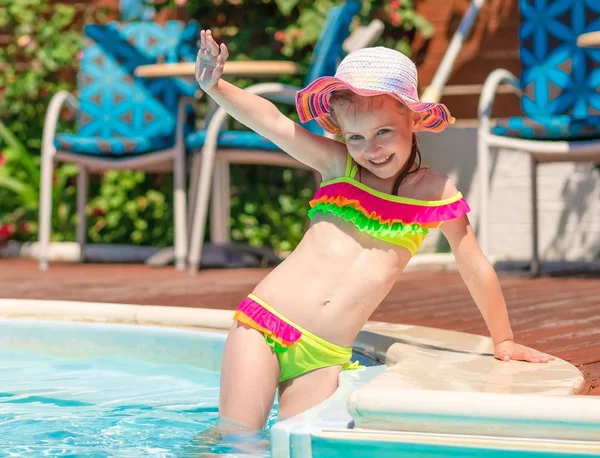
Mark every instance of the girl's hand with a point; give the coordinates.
(210, 61)
(508, 350)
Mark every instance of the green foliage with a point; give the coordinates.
(273, 28)
(126, 207)
(19, 191)
(40, 60)
(269, 205)
(134, 208)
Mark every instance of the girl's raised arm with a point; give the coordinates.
(262, 116)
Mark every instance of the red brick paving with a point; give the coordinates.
(557, 315)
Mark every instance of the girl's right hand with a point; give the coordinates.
(210, 60)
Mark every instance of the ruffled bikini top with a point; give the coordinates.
(398, 220)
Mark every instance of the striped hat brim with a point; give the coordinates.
(312, 102)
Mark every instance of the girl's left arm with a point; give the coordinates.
(484, 286)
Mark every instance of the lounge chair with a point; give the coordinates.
(122, 122)
(559, 98)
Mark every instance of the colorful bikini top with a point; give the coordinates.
(398, 220)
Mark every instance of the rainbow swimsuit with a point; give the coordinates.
(397, 220)
(298, 350)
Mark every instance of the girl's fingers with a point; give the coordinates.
(223, 55)
(217, 72)
(212, 45)
(539, 357)
(202, 40)
(224, 51)
(544, 357)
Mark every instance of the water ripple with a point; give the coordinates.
(98, 407)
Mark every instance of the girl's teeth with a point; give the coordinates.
(382, 160)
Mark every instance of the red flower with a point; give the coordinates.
(97, 211)
(6, 231)
(2, 159)
(395, 18)
(280, 35)
(395, 4)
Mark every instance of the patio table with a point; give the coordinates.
(234, 68)
(264, 68)
(589, 40)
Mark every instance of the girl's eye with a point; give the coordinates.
(355, 137)
(382, 131)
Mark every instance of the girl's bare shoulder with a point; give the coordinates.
(431, 185)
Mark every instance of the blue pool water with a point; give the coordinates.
(80, 389)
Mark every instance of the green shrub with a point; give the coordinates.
(19, 192)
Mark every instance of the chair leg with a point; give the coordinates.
(201, 207)
(196, 162)
(483, 166)
(82, 197)
(45, 216)
(534, 267)
(179, 198)
(220, 206)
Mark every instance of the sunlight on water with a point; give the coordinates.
(110, 406)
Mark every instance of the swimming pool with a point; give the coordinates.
(86, 389)
(95, 389)
(73, 388)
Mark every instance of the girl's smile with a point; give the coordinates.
(378, 132)
(382, 162)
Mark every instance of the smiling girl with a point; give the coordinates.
(371, 213)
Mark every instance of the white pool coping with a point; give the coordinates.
(434, 382)
(116, 313)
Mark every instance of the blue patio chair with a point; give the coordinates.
(122, 122)
(227, 147)
(558, 89)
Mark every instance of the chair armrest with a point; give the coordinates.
(52, 114)
(364, 36)
(276, 92)
(488, 94)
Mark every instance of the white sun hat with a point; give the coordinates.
(370, 72)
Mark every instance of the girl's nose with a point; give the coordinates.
(372, 147)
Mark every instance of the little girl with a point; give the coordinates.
(369, 216)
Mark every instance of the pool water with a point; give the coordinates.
(74, 389)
